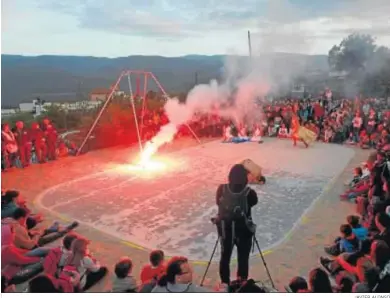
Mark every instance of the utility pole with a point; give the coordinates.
(249, 44)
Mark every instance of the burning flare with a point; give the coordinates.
(146, 155)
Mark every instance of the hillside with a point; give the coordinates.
(61, 78)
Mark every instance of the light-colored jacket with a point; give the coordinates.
(122, 285)
(22, 238)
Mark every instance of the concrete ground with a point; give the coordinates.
(296, 255)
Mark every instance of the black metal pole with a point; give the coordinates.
(208, 265)
(265, 264)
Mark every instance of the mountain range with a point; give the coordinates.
(71, 78)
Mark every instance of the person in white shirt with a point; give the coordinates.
(227, 136)
(283, 132)
(357, 123)
(243, 131)
(88, 267)
(365, 170)
(256, 137)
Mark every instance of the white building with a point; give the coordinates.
(26, 107)
(8, 112)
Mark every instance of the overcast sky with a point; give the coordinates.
(180, 27)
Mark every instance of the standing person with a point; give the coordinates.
(301, 133)
(9, 146)
(357, 123)
(51, 138)
(39, 142)
(23, 140)
(234, 222)
(51, 141)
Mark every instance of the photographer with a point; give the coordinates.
(234, 222)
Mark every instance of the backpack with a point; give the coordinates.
(51, 263)
(233, 206)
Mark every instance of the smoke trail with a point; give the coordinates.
(245, 81)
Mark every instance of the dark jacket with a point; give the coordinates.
(238, 180)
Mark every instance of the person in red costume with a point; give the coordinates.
(23, 139)
(295, 126)
(51, 138)
(39, 142)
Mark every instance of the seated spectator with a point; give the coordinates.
(365, 142)
(63, 150)
(358, 230)
(66, 248)
(348, 242)
(360, 190)
(44, 284)
(319, 281)
(382, 222)
(88, 267)
(380, 255)
(272, 129)
(283, 132)
(298, 285)
(124, 282)
(344, 283)
(357, 177)
(6, 287)
(365, 170)
(10, 201)
(328, 134)
(369, 282)
(30, 239)
(178, 278)
(152, 272)
(353, 263)
(13, 258)
(55, 265)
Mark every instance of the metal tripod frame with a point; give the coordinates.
(128, 73)
(255, 242)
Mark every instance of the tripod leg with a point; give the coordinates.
(265, 264)
(208, 265)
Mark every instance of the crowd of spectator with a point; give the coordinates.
(359, 257)
(365, 123)
(22, 146)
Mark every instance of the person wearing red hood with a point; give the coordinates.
(51, 141)
(39, 142)
(51, 138)
(23, 139)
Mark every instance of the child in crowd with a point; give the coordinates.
(272, 129)
(364, 140)
(152, 272)
(347, 242)
(328, 134)
(124, 282)
(358, 230)
(283, 132)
